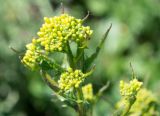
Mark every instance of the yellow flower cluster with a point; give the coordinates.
(31, 55)
(145, 100)
(130, 89)
(87, 91)
(57, 31)
(54, 35)
(145, 104)
(71, 79)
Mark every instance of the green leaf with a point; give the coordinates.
(48, 64)
(70, 56)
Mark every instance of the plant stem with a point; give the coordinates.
(81, 109)
(127, 108)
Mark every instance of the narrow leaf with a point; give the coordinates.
(94, 55)
(50, 82)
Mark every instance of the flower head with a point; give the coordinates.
(71, 79)
(57, 31)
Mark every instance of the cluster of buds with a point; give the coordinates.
(32, 55)
(71, 79)
(87, 91)
(130, 89)
(56, 32)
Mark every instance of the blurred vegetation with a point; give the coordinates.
(134, 37)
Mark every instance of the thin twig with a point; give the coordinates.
(62, 8)
(86, 16)
(20, 54)
(133, 74)
(103, 89)
(14, 50)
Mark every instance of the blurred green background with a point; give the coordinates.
(134, 37)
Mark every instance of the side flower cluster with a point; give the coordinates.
(32, 55)
(130, 89)
(87, 91)
(57, 31)
(71, 79)
(145, 103)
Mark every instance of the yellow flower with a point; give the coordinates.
(87, 92)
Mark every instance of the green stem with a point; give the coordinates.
(126, 111)
(90, 113)
(127, 108)
(81, 109)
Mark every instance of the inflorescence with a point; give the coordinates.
(130, 89)
(54, 36)
(56, 32)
